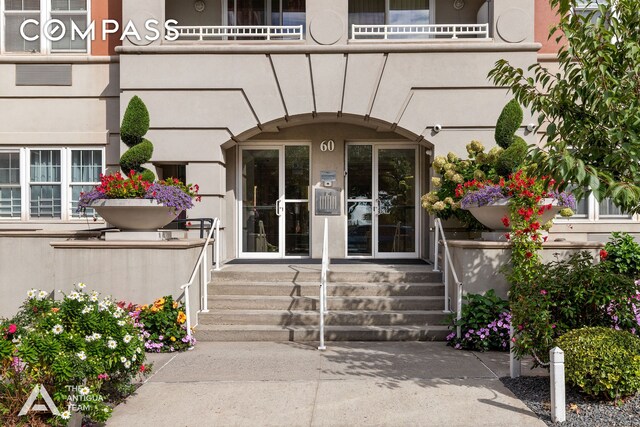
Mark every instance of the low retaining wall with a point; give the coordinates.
(478, 264)
(132, 271)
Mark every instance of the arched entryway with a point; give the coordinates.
(366, 179)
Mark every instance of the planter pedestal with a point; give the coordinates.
(131, 236)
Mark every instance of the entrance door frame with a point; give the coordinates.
(281, 202)
(376, 147)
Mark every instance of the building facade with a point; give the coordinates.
(285, 112)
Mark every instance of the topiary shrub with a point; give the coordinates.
(511, 159)
(602, 362)
(508, 124)
(135, 125)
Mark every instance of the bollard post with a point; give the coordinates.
(558, 405)
(515, 367)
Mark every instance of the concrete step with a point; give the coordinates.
(265, 302)
(312, 318)
(332, 333)
(334, 289)
(302, 276)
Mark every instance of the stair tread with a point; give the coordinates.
(316, 283)
(340, 297)
(327, 328)
(309, 312)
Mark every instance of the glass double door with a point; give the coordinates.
(274, 190)
(381, 201)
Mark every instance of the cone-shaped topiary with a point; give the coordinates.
(508, 124)
(511, 159)
(135, 125)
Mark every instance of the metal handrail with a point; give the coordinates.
(453, 30)
(448, 264)
(202, 265)
(222, 32)
(323, 282)
(211, 221)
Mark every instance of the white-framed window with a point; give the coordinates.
(10, 184)
(586, 7)
(589, 210)
(45, 183)
(13, 13)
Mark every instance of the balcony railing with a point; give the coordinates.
(418, 31)
(263, 32)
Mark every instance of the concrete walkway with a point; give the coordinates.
(350, 384)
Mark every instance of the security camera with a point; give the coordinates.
(437, 128)
(531, 127)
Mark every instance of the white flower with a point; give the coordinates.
(88, 338)
(102, 306)
(118, 313)
(31, 293)
(112, 344)
(81, 355)
(127, 364)
(73, 295)
(123, 359)
(42, 294)
(16, 340)
(93, 298)
(134, 358)
(121, 322)
(138, 350)
(96, 336)
(65, 415)
(87, 309)
(81, 285)
(85, 391)
(57, 329)
(127, 338)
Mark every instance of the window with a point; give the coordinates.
(589, 209)
(16, 12)
(45, 183)
(389, 12)
(261, 12)
(10, 191)
(586, 7)
(86, 167)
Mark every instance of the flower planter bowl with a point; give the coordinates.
(491, 215)
(135, 214)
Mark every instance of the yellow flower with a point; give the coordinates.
(181, 318)
(159, 302)
(154, 309)
(175, 304)
(172, 339)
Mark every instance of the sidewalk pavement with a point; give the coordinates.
(349, 384)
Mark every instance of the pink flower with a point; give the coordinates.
(12, 329)
(543, 292)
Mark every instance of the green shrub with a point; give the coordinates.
(623, 254)
(602, 362)
(135, 123)
(567, 295)
(511, 159)
(135, 157)
(508, 124)
(84, 350)
(484, 324)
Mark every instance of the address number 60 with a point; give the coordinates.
(327, 145)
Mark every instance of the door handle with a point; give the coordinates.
(279, 207)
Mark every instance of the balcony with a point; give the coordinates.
(245, 32)
(387, 32)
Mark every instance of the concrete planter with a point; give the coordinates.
(135, 214)
(491, 215)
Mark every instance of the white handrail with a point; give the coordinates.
(428, 30)
(223, 32)
(323, 282)
(204, 271)
(448, 265)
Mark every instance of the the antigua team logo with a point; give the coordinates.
(31, 405)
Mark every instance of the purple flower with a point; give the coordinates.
(564, 199)
(482, 197)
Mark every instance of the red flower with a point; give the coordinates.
(142, 368)
(507, 236)
(505, 221)
(12, 329)
(603, 254)
(528, 254)
(544, 239)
